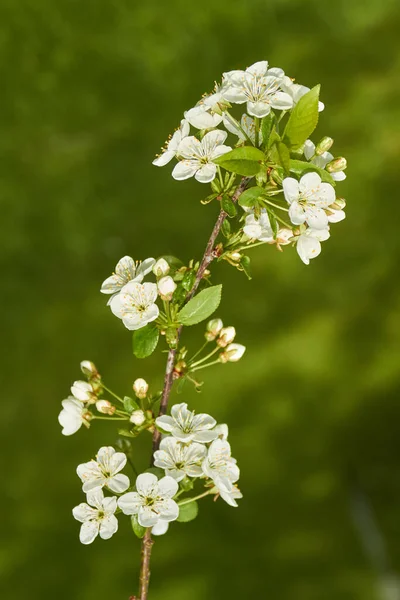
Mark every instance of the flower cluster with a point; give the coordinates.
(76, 408)
(271, 124)
(194, 447)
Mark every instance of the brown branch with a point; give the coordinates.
(208, 256)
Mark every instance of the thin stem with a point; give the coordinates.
(112, 393)
(214, 362)
(111, 418)
(199, 351)
(236, 123)
(276, 205)
(194, 364)
(130, 461)
(257, 131)
(284, 222)
(209, 255)
(189, 500)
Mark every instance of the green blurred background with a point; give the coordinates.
(89, 92)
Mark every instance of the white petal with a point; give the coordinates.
(83, 512)
(108, 526)
(119, 483)
(309, 181)
(165, 422)
(258, 109)
(259, 68)
(110, 505)
(169, 510)
(185, 169)
(111, 285)
(309, 149)
(146, 483)
(104, 457)
(214, 138)
(115, 305)
(199, 117)
(164, 158)
(206, 173)
(281, 101)
(117, 462)
(326, 194)
(130, 503)
(290, 189)
(144, 268)
(167, 487)
(296, 213)
(203, 421)
(95, 498)
(160, 528)
(307, 248)
(88, 532)
(336, 216)
(203, 437)
(146, 517)
(316, 217)
(339, 176)
(235, 95)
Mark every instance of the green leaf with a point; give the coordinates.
(280, 154)
(300, 167)
(273, 221)
(266, 127)
(130, 404)
(201, 306)
(303, 119)
(249, 197)
(145, 340)
(244, 160)
(228, 206)
(226, 228)
(188, 512)
(245, 264)
(274, 137)
(188, 280)
(138, 530)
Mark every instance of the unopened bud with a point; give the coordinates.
(213, 329)
(226, 336)
(336, 165)
(137, 417)
(232, 353)
(89, 369)
(324, 145)
(161, 268)
(284, 236)
(83, 391)
(166, 287)
(140, 387)
(235, 256)
(339, 204)
(105, 407)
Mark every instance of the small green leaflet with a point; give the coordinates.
(228, 206)
(130, 405)
(280, 154)
(303, 119)
(138, 530)
(188, 512)
(201, 306)
(145, 340)
(245, 160)
(249, 197)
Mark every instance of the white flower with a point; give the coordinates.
(259, 86)
(137, 417)
(97, 517)
(203, 115)
(297, 91)
(161, 268)
(186, 426)
(221, 467)
(104, 471)
(166, 287)
(197, 157)
(140, 387)
(232, 353)
(126, 270)
(322, 160)
(222, 430)
(232, 496)
(135, 304)
(179, 459)
(152, 502)
(246, 130)
(83, 391)
(259, 228)
(161, 528)
(172, 145)
(308, 199)
(72, 416)
(309, 243)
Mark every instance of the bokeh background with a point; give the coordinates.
(89, 92)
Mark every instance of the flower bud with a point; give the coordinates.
(140, 387)
(166, 287)
(89, 369)
(235, 256)
(226, 336)
(137, 417)
(213, 329)
(336, 165)
(324, 145)
(83, 391)
(232, 353)
(161, 268)
(105, 407)
(339, 204)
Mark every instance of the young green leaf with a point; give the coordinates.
(130, 404)
(228, 206)
(266, 127)
(226, 228)
(245, 160)
(145, 340)
(201, 306)
(299, 167)
(280, 154)
(188, 280)
(188, 512)
(274, 137)
(273, 221)
(249, 197)
(303, 119)
(245, 265)
(138, 530)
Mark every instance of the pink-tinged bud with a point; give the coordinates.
(105, 407)
(89, 369)
(232, 353)
(161, 268)
(140, 387)
(226, 336)
(137, 417)
(166, 287)
(336, 165)
(213, 329)
(324, 145)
